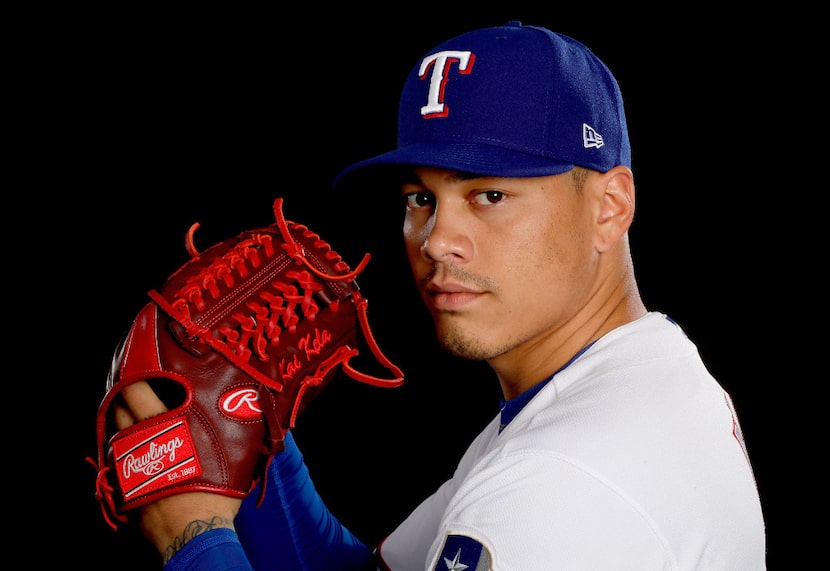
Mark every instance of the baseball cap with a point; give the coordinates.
(512, 101)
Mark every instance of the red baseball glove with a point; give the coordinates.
(237, 342)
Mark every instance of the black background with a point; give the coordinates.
(138, 123)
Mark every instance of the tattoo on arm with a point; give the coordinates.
(191, 530)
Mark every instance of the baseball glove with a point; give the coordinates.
(237, 342)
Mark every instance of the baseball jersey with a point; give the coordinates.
(630, 457)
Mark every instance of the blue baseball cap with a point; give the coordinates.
(512, 101)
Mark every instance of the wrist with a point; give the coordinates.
(170, 523)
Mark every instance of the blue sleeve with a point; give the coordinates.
(293, 528)
(215, 550)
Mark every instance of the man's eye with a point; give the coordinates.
(418, 199)
(489, 197)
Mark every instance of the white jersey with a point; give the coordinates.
(630, 458)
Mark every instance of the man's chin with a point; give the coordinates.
(459, 344)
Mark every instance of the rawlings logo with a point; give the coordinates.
(311, 346)
(153, 457)
(241, 404)
(152, 462)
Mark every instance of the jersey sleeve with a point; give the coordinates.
(526, 508)
(407, 547)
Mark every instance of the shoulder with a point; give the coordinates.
(531, 506)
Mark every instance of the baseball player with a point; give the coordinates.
(614, 447)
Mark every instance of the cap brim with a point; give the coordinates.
(463, 157)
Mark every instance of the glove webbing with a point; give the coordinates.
(267, 320)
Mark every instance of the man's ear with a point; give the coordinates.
(616, 206)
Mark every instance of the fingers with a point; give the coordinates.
(142, 403)
(123, 416)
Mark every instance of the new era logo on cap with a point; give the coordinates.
(590, 137)
(513, 101)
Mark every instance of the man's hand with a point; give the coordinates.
(169, 523)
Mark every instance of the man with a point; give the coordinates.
(614, 448)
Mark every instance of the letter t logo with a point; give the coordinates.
(440, 64)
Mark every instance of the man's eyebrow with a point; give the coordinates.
(410, 177)
(460, 175)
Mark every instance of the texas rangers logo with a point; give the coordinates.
(441, 64)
